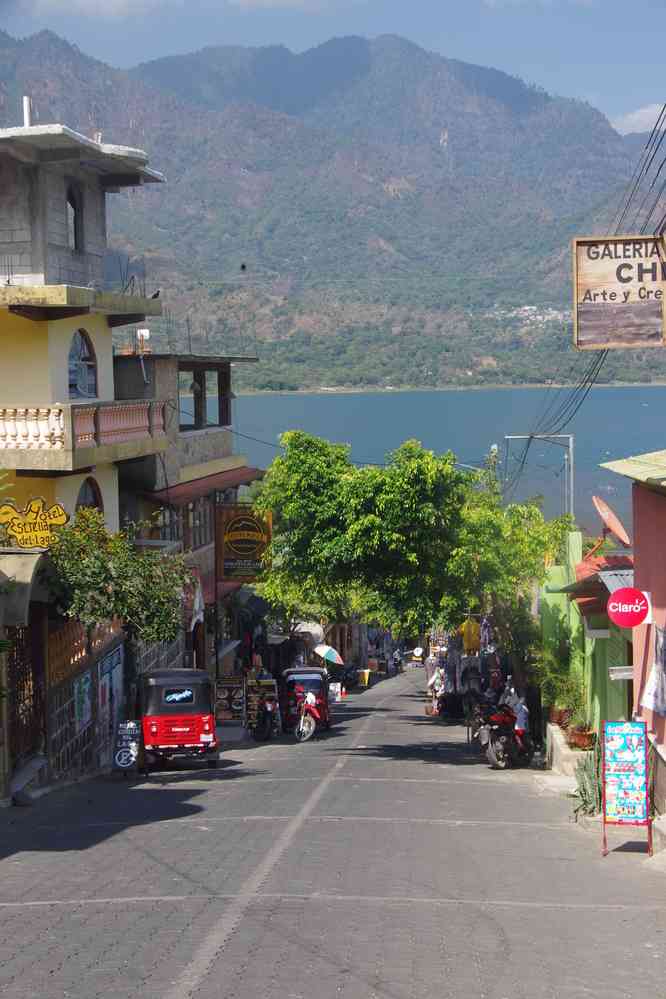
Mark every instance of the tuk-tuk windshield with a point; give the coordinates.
(177, 698)
(307, 682)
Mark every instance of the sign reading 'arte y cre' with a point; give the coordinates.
(619, 291)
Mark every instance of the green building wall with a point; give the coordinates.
(589, 657)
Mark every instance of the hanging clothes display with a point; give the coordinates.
(486, 633)
(471, 635)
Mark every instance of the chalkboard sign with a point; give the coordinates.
(126, 749)
(625, 777)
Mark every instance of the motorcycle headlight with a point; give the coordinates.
(310, 698)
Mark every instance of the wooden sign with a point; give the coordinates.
(619, 289)
(625, 777)
(242, 539)
(33, 526)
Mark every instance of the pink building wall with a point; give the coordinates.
(650, 575)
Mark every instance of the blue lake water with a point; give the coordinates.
(612, 423)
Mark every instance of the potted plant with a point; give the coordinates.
(580, 734)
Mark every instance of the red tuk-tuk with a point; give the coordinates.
(178, 714)
(305, 701)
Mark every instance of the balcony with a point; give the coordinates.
(66, 437)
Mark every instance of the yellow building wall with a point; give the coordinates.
(34, 368)
(65, 490)
(25, 377)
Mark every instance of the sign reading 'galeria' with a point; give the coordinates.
(33, 526)
(242, 539)
(619, 290)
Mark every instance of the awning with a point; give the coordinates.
(649, 468)
(186, 492)
(616, 579)
(17, 575)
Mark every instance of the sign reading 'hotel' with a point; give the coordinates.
(619, 289)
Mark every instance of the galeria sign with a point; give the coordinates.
(619, 291)
(628, 607)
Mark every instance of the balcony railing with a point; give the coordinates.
(72, 435)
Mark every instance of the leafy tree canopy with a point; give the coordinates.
(98, 576)
(405, 544)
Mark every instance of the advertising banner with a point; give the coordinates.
(619, 284)
(625, 777)
(242, 539)
(628, 607)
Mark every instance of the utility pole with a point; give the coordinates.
(569, 458)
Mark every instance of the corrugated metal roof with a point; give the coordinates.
(649, 467)
(615, 579)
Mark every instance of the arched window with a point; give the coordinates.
(89, 495)
(74, 220)
(82, 367)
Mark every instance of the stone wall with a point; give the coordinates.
(34, 246)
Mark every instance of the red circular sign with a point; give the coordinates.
(628, 607)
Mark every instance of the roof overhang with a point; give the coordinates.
(649, 468)
(46, 302)
(117, 166)
(187, 492)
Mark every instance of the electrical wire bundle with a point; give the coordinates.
(561, 406)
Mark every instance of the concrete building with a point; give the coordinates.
(64, 435)
(648, 473)
(182, 489)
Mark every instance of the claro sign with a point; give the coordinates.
(628, 607)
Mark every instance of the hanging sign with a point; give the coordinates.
(628, 607)
(625, 773)
(242, 539)
(33, 526)
(619, 288)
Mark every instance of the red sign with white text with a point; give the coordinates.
(628, 607)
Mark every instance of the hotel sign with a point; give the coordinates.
(619, 289)
(242, 540)
(33, 526)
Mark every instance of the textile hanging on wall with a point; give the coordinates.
(654, 694)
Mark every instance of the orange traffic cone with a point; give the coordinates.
(343, 692)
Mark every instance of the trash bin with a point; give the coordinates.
(363, 677)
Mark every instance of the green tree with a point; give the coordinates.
(376, 539)
(97, 576)
(503, 554)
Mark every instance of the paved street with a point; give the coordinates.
(385, 860)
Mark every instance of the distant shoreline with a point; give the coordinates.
(373, 390)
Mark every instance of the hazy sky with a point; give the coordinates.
(608, 52)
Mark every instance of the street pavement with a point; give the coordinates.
(384, 860)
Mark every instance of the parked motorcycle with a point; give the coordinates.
(268, 719)
(497, 733)
(308, 718)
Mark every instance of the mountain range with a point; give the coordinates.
(364, 213)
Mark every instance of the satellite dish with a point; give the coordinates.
(612, 524)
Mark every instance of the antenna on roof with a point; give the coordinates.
(27, 112)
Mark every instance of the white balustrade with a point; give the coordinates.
(43, 428)
(32, 428)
